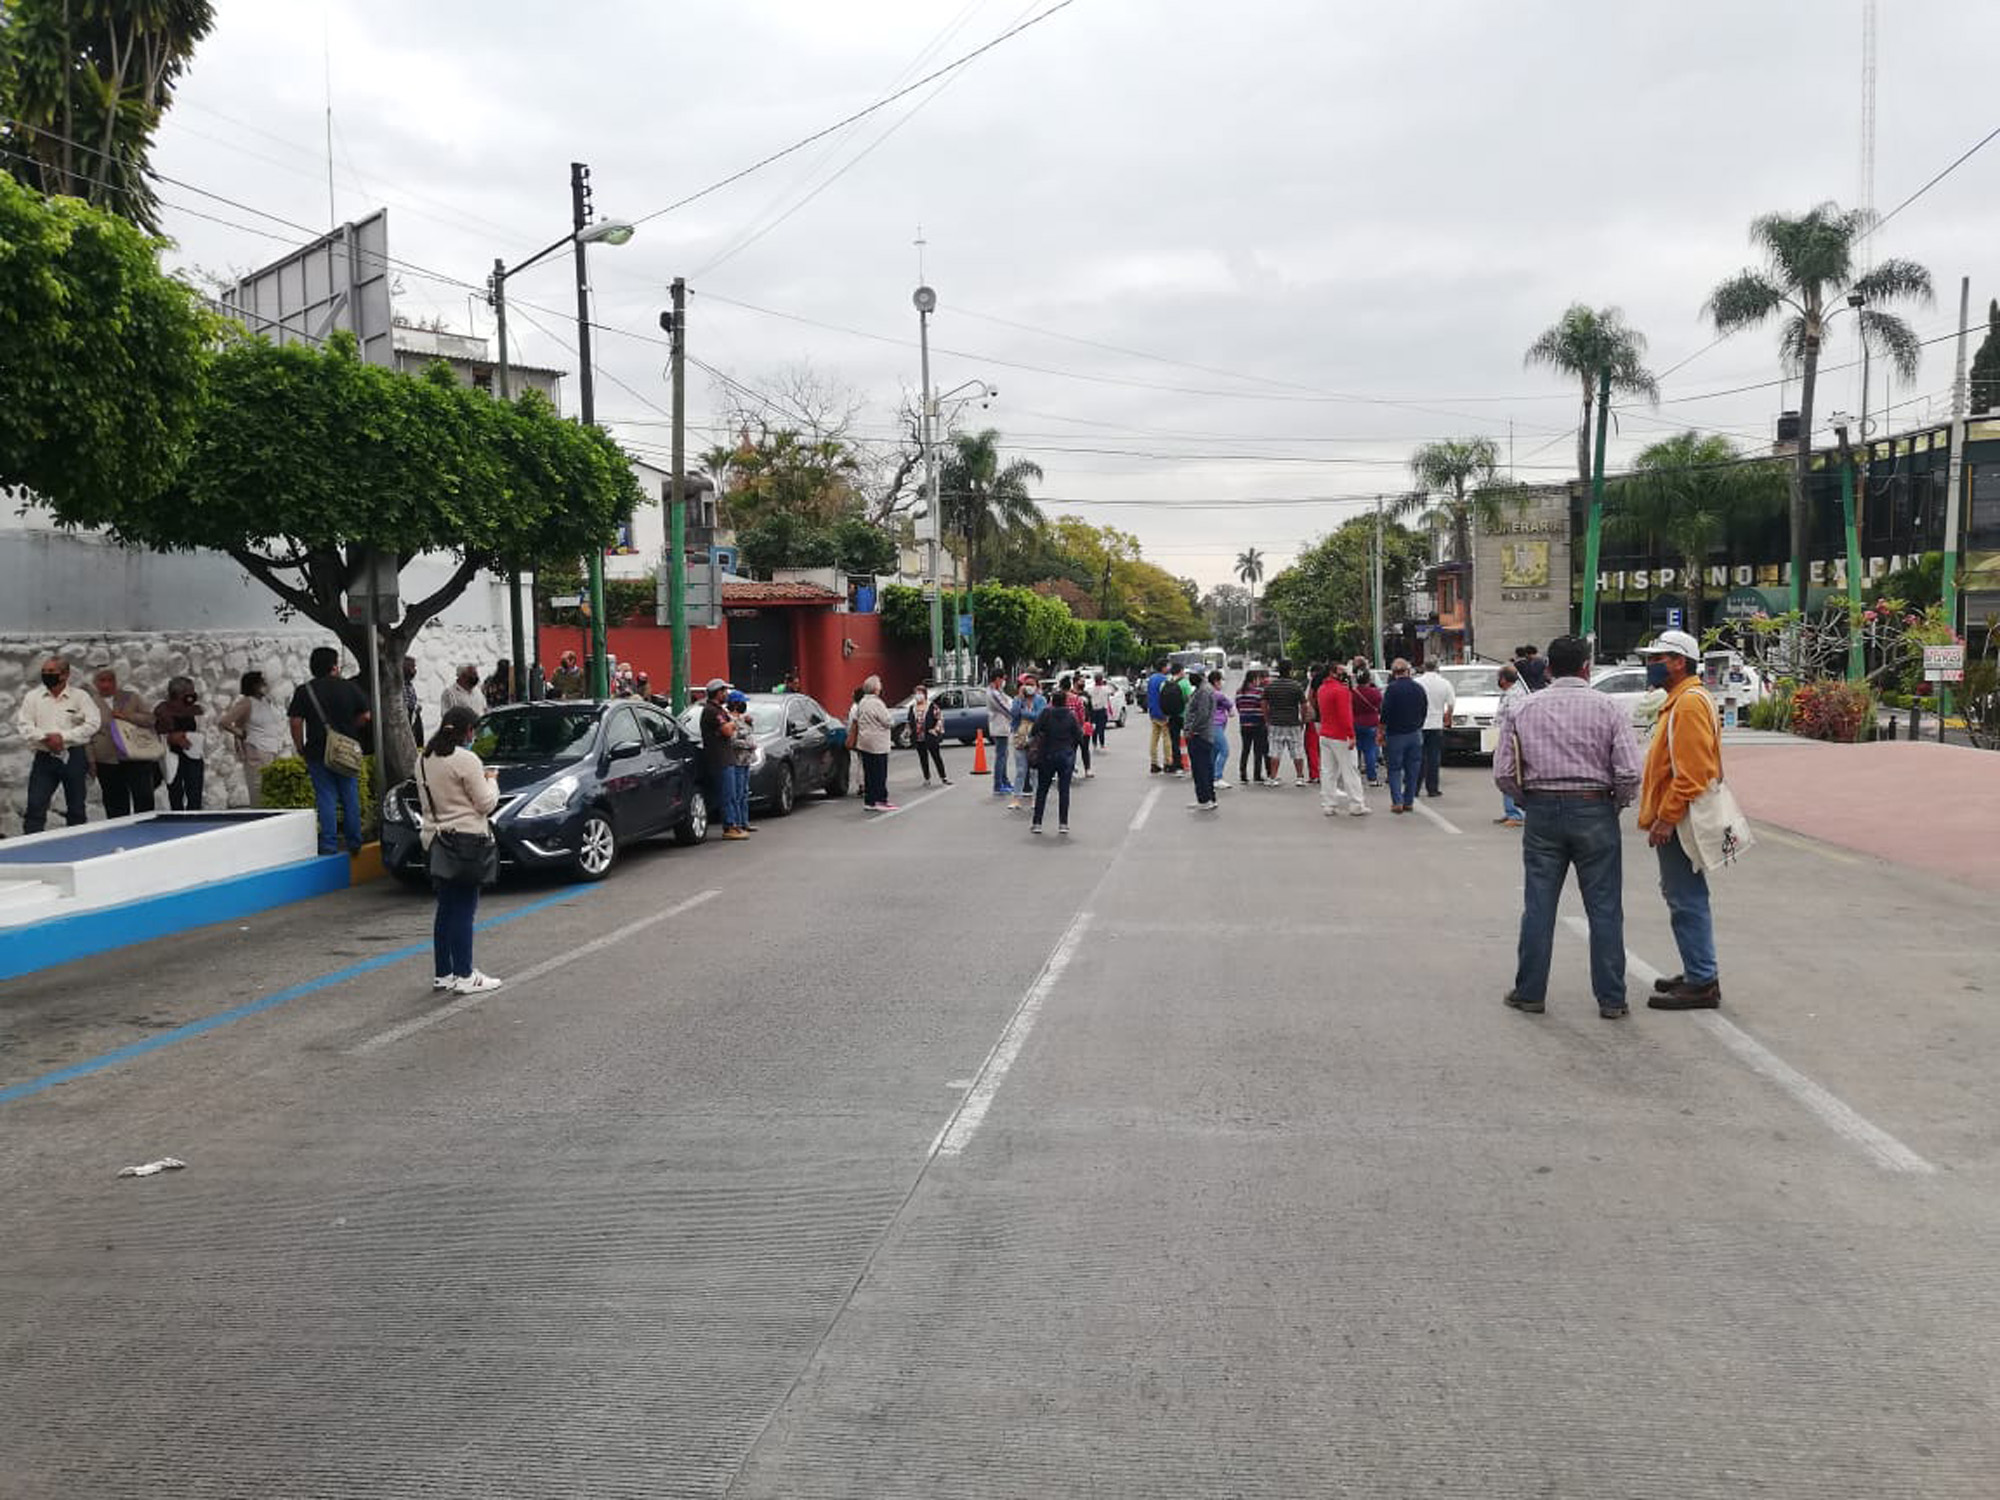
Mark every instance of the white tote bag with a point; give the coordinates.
(1714, 834)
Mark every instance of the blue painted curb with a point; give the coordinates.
(103, 929)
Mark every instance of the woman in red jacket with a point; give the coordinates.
(1367, 720)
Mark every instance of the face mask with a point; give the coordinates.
(52, 680)
(1658, 675)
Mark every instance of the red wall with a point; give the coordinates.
(831, 676)
(647, 647)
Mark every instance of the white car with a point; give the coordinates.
(1477, 685)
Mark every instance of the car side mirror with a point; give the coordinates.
(625, 750)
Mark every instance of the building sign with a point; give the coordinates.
(1521, 572)
(1642, 583)
(1524, 565)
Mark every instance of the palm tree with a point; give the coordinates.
(1589, 345)
(1809, 270)
(981, 497)
(1250, 571)
(1690, 494)
(1456, 487)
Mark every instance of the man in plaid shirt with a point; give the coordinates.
(1569, 757)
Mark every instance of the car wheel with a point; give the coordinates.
(787, 795)
(694, 827)
(836, 781)
(596, 847)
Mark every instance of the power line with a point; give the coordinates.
(1961, 160)
(861, 114)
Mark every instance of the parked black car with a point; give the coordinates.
(578, 781)
(801, 748)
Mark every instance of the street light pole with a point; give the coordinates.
(1593, 534)
(926, 302)
(579, 199)
(1377, 659)
(497, 295)
(677, 592)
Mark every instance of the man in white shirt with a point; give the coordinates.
(58, 722)
(464, 693)
(1443, 700)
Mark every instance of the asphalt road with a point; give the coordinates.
(917, 1157)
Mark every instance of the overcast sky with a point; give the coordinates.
(1354, 217)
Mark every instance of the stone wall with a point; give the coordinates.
(216, 660)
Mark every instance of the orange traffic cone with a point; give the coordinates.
(979, 766)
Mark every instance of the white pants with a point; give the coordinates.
(1339, 776)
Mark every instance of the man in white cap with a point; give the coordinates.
(1683, 761)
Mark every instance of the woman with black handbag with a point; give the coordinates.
(457, 795)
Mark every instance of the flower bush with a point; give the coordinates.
(1829, 710)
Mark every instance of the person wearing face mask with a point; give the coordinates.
(177, 720)
(457, 795)
(125, 753)
(464, 693)
(1682, 762)
(1568, 756)
(926, 720)
(58, 722)
(257, 725)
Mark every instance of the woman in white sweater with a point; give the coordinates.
(456, 794)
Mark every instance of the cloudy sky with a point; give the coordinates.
(1226, 264)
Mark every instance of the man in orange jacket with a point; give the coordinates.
(1683, 761)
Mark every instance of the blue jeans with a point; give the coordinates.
(1433, 759)
(1371, 751)
(1057, 769)
(451, 930)
(334, 793)
(1001, 785)
(1221, 755)
(1561, 833)
(1509, 808)
(736, 797)
(70, 771)
(1024, 774)
(1686, 890)
(1405, 757)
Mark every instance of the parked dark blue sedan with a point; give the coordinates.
(578, 782)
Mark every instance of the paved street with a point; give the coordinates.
(918, 1157)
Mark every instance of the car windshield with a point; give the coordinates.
(517, 737)
(1473, 682)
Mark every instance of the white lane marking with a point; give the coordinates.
(1145, 810)
(527, 976)
(1436, 817)
(1839, 1117)
(1810, 846)
(964, 1122)
(903, 807)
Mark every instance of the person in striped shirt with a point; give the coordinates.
(1250, 727)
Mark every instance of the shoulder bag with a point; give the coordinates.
(134, 741)
(343, 751)
(1714, 834)
(452, 857)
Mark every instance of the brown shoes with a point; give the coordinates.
(1684, 996)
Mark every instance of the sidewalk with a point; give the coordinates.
(1934, 807)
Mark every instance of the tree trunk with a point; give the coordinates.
(1583, 431)
(1461, 539)
(1802, 471)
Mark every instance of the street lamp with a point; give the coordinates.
(1856, 664)
(582, 232)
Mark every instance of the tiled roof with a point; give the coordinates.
(737, 595)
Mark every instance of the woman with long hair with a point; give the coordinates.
(457, 795)
(1250, 726)
(1058, 734)
(926, 719)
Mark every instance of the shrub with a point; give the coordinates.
(1839, 711)
(287, 783)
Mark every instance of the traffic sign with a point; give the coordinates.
(1944, 663)
(565, 601)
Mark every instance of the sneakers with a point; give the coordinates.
(1685, 996)
(443, 982)
(945, 782)
(1614, 1012)
(1223, 786)
(1301, 782)
(1064, 830)
(1526, 1007)
(734, 834)
(1034, 828)
(476, 983)
(887, 807)
(1360, 812)
(1154, 769)
(1204, 807)
(1013, 804)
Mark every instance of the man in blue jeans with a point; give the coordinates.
(1404, 707)
(999, 726)
(329, 701)
(1569, 756)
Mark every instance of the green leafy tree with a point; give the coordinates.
(1003, 617)
(83, 87)
(1587, 344)
(1457, 488)
(1691, 494)
(861, 547)
(308, 461)
(1985, 376)
(1809, 279)
(1250, 572)
(983, 498)
(1323, 596)
(905, 615)
(103, 358)
(781, 471)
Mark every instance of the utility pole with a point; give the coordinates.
(1593, 534)
(1376, 659)
(579, 199)
(1857, 666)
(497, 296)
(1954, 486)
(926, 303)
(677, 564)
